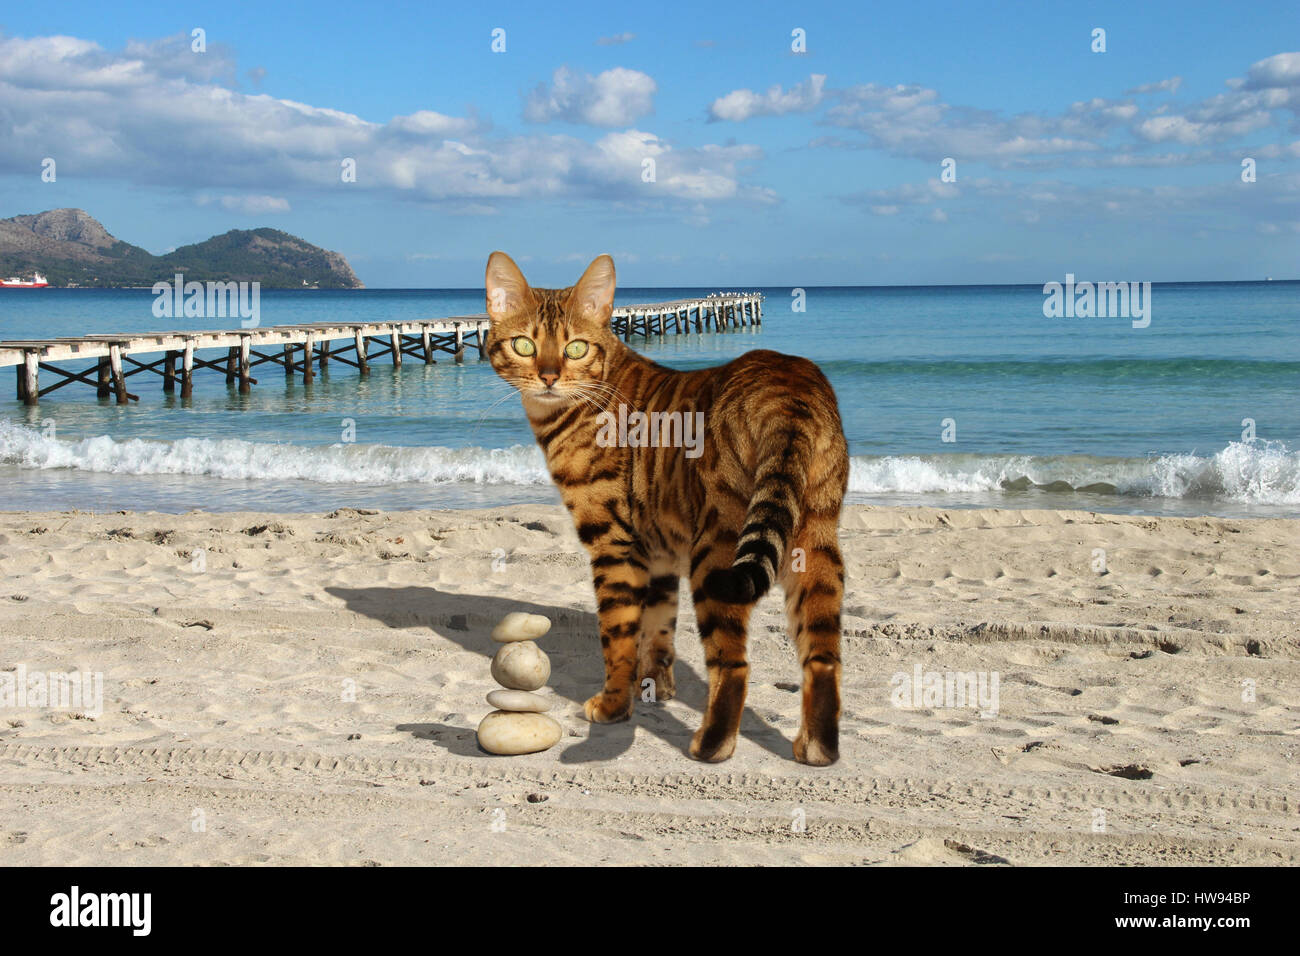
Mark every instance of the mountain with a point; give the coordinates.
(71, 248)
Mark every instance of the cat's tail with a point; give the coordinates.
(784, 458)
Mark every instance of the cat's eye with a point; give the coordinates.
(576, 349)
(523, 345)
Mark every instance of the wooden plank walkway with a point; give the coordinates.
(298, 349)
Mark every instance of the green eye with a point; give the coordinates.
(523, 345)
(576, 349)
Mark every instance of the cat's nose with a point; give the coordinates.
(550, 378)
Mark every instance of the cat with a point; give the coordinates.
(757, 501)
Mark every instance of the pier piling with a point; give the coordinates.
(187, 371)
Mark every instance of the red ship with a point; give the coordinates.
(37, 282)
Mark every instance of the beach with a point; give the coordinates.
(303, 688)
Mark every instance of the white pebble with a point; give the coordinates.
(518, 701)
(501, 732)
(521, 666)
(518, 626)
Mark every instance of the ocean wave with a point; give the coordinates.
(1261, 472)
(237, 459)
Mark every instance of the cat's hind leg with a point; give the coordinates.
(656, 652)
(813, 580)
(723, 631)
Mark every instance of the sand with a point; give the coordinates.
(307, 693)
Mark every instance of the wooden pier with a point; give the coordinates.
(300, 349)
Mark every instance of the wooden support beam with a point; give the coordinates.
(245, 379)
(115, 368)
(324, 353)
(169, 372)
(482, 340)
(288, 360)
(31, 377)
(460, 344)
(396, 339)
(187, 371)
(360, 343)
(232, 358)
(67, 377)
(307, 347)
(102, 387)
(427, 345)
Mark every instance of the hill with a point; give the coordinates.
(72, 248)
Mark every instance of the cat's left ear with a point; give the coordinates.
(593, 296)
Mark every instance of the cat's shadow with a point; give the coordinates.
(577, 669)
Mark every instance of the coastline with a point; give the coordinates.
(224, 687)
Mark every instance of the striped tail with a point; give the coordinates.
(774, 509)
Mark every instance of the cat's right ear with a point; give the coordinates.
(507, 289)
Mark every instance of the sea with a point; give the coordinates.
(952, 397)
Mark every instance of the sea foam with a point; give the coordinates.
(1259, 472)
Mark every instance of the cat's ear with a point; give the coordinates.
(507, 289)
(593, 296)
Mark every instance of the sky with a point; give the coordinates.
(718, 144)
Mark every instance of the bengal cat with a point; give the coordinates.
(753, 497)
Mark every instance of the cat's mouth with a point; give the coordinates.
(547, 394)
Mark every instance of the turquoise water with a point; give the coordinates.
(1142, 420)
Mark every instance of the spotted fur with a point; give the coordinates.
(759, 504)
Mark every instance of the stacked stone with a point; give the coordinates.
(519, 724)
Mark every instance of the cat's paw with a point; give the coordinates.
(661, 681)
(607, 709)
(708, 748)
(815, 753)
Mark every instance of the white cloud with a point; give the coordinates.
(114, 115)
(1270, 84)
(1279, 70)
(891, 201)
(429, 123)
(1220, 118)
(617, 97)
(914, 121)
(248, 205)
(1170, 85)
(739, 105)
(1221, 207)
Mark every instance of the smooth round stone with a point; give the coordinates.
(518, 626)
(503, 732)
(519, 701)
(521, 666)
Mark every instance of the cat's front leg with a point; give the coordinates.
(658, 628)
(621, 578)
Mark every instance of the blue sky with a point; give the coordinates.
(771, 167)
